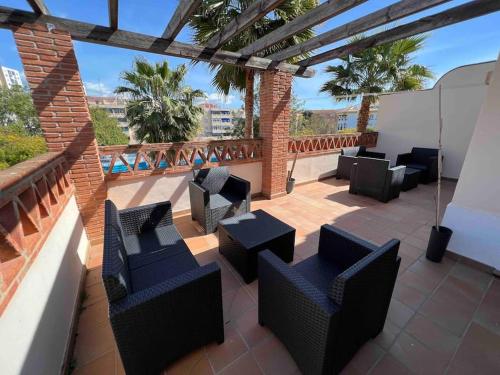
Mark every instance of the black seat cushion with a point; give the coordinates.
(223, 200)
(153, 245)
(319, 271)
(171, 265)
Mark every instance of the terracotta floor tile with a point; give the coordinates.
(235, 303)
(224, 354)
(450, 315)
(488, 314)
(94, 293)
(418, 281)
(365, 358)
(390, 366)
(273, 358)
(386, 338)
(94, 276)
(105, 364)
(250, 329)
(469, 274)
(432, 335)
(417, 357)
(479, 352)
(460, 292)
(411, 297)
(93, 315)
(193, 363)
(399, 313)
(245, 365)
(92, 344)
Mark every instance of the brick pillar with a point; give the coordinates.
(275, 96)
(52, 72)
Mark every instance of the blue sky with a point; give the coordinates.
(469, 42)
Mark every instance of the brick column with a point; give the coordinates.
(52, 72)
(275, 96)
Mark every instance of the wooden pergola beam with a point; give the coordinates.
(254, 12)
(312, 18)
(467, 11)
(391, 13)
(91, 33)
(185, 9)
(113, 14)
(38, 6)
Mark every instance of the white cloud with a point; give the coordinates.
(226, 99)
(97, 88)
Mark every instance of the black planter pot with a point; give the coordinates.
(289, 185)
(438, 241)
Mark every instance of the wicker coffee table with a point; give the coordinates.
(242, 237)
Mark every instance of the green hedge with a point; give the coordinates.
(16, 146)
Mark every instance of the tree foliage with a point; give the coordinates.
(161, 108)
(16, 145)
(107, 131)
(388, 67)
(16, 108)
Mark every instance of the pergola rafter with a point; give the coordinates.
(38, 6)
(378, 18)
(250, 15)
(113, 14)
(246, 58)
(185, 9)
(312, 18)
(448, 17)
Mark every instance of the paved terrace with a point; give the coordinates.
(444, 318)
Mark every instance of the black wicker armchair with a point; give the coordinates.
(348, 156)
(374, 178)
(216, 195)
(423, 159)
(326, 307)
(162, 304)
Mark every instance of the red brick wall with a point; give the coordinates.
(52, 72)
(275, 96)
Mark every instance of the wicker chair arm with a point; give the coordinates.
(198, 193)
(404, 159)
(341, 247)
(139, 219)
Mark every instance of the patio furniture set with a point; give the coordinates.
(163, 304)
(370, 173)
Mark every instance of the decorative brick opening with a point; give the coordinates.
(52, 72)
(275, 96)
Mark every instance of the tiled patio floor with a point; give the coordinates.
(444, 318)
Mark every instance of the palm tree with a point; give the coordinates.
(387, 67)
(213, 15)
(161, 108)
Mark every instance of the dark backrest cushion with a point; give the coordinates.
(115, 273)
(212, 179)
(421, 155)
(350, 151)
(371, 174)
(367, 279)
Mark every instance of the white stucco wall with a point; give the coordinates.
(474, 212)
(315, 167)
(410, 119)
(35, 327)
(174, 188)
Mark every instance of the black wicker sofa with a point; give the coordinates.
(349, 155)
(162, 304)
(423, 159)
(326, 307)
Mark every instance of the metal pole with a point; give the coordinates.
(440, 166)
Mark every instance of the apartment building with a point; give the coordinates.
(10, 77)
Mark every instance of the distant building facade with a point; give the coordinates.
(10, 77)
(116, 108)
(347, 118)
(217, 122)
